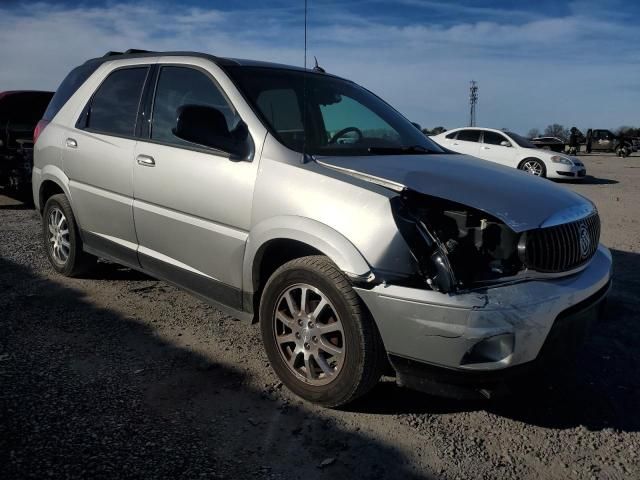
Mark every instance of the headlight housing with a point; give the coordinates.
(561, 159)
(456, 247)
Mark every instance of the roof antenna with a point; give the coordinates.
(318, 68)
(304, 91)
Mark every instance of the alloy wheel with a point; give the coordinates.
(533, 167)
(59, 243)
(309, 334)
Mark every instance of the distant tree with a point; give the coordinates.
(434, 131)
(628, 131)
(557, 130)
(533, 133)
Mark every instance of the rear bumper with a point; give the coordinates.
(489, 331)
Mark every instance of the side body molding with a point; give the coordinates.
(315, 234)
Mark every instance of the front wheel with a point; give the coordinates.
(534, 167)
(317, 335)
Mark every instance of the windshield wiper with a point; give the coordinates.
(410, 150)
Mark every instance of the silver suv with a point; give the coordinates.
(302, 201)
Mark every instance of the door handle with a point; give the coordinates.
(71, 143)
(456, 143)
(486, 148)
(146, 161)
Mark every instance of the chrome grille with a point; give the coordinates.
(562, 247)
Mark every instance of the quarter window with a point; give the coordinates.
(494, 138)
(178, 86)
(452, 135)
(469, 135)
(114, 107)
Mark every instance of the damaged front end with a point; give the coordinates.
(455, 247)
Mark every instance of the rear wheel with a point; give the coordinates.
(61, 239)
(319, 339)
(533, 166)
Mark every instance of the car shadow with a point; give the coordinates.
(591, 180)
(87, 389)
(603, 391)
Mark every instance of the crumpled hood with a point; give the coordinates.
(520, 200)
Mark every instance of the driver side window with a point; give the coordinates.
(347, 113)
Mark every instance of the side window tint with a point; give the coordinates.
(469, 135)
(452, 135)
(114, 106)
(178, 86)
(493, 138)
(281, 107)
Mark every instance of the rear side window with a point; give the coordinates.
(178, 86)
(68, 87)
(469, 135)
(114, 106)
(452, 135)
(494, 138)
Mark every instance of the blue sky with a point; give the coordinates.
(575, 63)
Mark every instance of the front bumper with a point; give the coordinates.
(492, 330)
(577, 170)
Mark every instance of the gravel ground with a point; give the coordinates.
(120, 375)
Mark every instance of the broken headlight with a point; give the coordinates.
(455, 247)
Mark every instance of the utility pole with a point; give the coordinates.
(473, 101)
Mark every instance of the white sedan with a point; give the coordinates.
(512, 150)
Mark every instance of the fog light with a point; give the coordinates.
(492, 349)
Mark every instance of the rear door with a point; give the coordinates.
(497, 148)
(98, 159)
(467, 142)
(192, 204)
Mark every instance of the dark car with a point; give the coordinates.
(602, 140)
(549, 143)
(20, 111)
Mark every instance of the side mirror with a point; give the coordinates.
(417, 125)
(504, 143)
(207, 126)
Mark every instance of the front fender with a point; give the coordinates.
(313, 233)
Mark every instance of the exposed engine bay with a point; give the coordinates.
(455, 247)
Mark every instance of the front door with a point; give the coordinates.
(192, 205)
(98, 159)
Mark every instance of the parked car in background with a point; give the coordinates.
(383, 251)
(511, 150)
(603, 140)
(20, 111)
(549, 143)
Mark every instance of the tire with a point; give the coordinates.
(65, 251)
(291, 340)
(528, 165)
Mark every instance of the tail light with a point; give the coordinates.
(39, 129)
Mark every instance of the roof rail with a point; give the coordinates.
(112, 53)
(135, 50)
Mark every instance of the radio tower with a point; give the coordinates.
(473, 101)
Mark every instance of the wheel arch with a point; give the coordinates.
(51, 182)
(273, 242)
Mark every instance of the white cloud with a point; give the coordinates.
(572, 70)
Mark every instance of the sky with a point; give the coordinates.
(536, 63)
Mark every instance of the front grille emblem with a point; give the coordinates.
(585, 240)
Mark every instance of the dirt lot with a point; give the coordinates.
(122, 375)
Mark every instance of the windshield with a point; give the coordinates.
(523, 142)
(342, 118)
